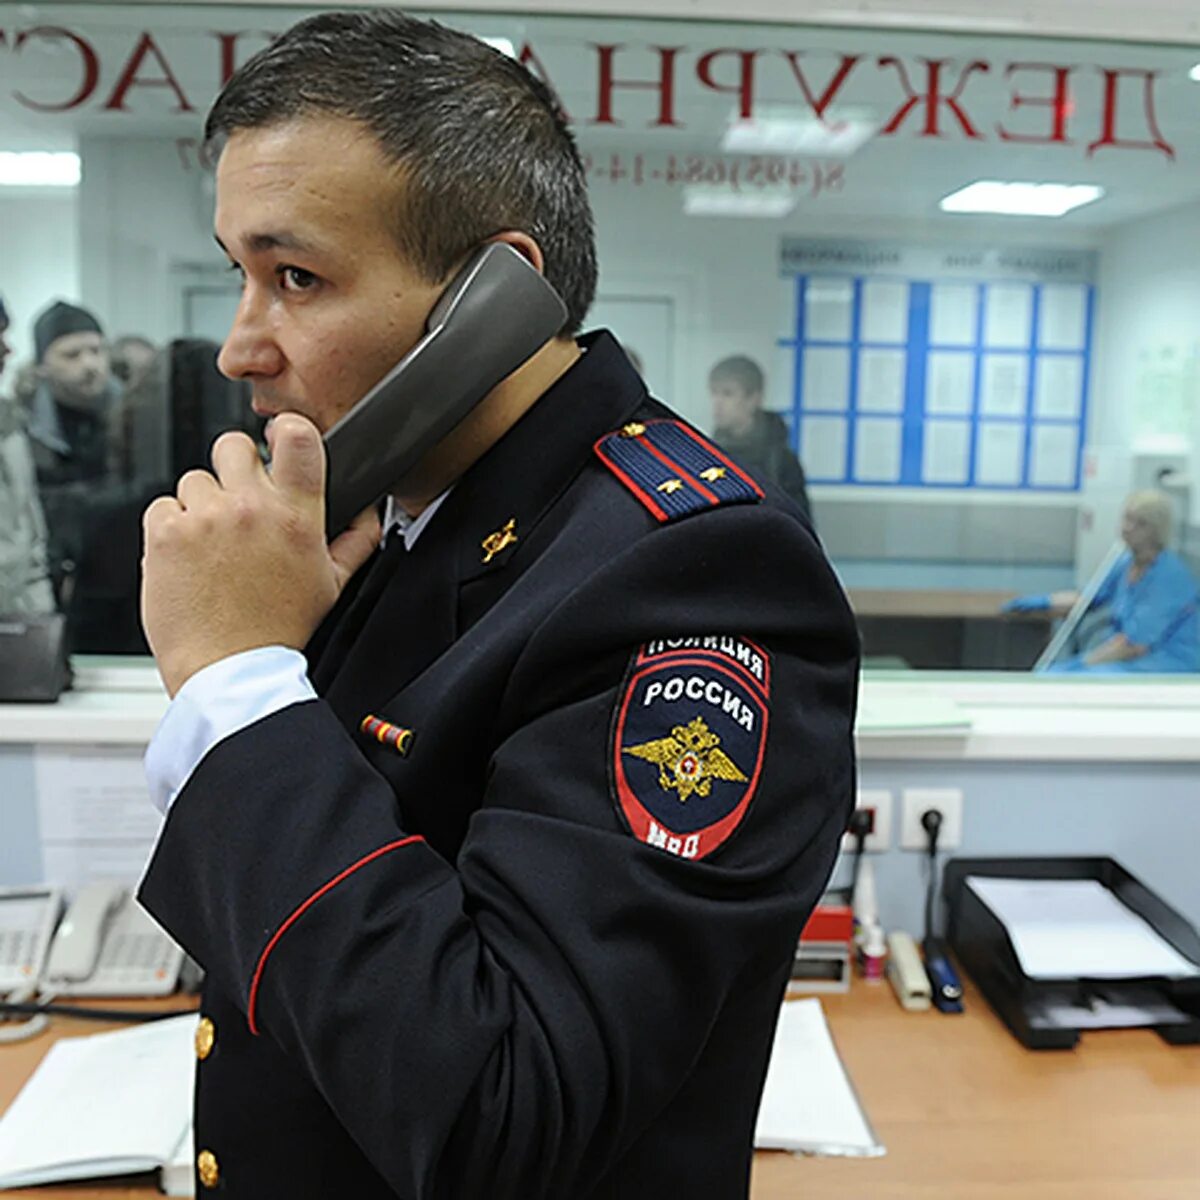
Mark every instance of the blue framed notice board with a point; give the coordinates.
(940, 367)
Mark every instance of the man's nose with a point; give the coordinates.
(250, 351)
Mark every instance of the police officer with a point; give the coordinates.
(494, 839)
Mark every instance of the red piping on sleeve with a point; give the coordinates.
(302, 909)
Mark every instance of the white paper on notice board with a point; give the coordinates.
(885, 311)
(94, 812)
(881, 380)
(823, 447)
(828, 309)
(1054, 455)
(826, 378)
(947, 450)
(999, 454)
(954, 314)
(1058, 386)
(1005, 387)
(1009, 320)
(949, 383)
(1063, 317)
(877, 444)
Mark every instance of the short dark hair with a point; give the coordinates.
(741, 371)
(483, 142)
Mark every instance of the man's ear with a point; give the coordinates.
(524, 245)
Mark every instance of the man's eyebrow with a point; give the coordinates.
(259, 243)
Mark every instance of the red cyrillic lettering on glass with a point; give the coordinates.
(146, 48)
(1060, 104)
(933, 96)
(1112, 91)
(665, 86)
(743, 88)
(89, 61)
(835, 85)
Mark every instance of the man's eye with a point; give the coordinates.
(296, 279)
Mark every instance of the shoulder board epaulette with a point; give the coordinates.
(674, 471)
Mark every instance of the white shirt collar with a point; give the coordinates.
(396, 520)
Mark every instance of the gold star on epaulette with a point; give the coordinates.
(713, 474)
(633, 429)
(670, 487)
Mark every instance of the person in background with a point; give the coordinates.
(131, 356)
(166, 423)
(758, 439)
(24, 577)
(1151, 598)
(71, 411)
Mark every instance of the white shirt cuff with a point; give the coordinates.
(216, 702)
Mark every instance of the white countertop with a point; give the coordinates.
(930, 717)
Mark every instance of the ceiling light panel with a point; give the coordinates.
(1021, 199)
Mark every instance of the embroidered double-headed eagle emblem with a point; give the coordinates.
(689, 760)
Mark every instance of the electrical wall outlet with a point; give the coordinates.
(879, 801)
(915, 801)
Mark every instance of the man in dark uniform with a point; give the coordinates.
(497, 887)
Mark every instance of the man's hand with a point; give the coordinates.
(238, 560)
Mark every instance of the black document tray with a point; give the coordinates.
(982, 945)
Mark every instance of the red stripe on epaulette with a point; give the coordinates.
(301, 910)
(682, 471)
(717, 452)
(644, 496)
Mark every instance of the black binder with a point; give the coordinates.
(1032, 1008)
(33, 658)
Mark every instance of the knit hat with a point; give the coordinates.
(59, 320)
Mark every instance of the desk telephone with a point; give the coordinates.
(105, 945)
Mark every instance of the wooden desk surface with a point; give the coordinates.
(941, 603)
(965, 1112)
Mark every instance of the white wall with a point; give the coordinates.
(39, 260)
(1149, 300)
(141, 217)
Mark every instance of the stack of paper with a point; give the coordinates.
(1077, 929)
(808, 1103)
(112, 1104)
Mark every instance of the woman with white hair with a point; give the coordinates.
(1151, 598)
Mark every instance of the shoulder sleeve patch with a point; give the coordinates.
(688, 736)
(674, 471)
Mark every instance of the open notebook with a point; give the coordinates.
(808, 1104)
(110, 1104)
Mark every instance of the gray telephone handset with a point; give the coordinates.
(495, 315)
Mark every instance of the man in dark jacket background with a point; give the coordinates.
(758, 439)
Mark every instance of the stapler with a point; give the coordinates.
(906, 973)
(943, 979)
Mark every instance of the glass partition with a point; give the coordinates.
(944, 289)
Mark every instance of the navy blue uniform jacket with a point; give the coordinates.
(481, 968)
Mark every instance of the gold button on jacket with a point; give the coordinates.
(208, 1168)
(206, 1036)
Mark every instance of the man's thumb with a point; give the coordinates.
(297, 455)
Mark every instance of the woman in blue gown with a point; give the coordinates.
(1150, 596)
